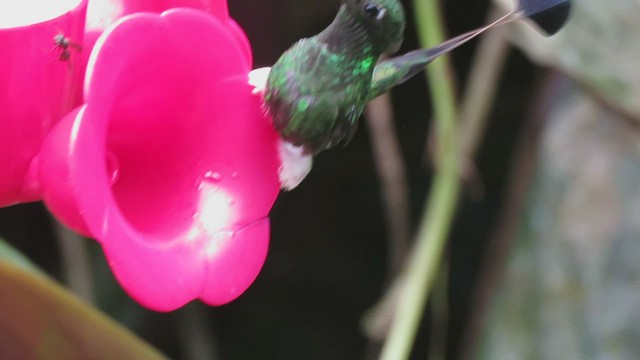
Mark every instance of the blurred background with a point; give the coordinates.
(542, 261)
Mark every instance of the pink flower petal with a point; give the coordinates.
(36, 90)
(102, 13)
(181, 199)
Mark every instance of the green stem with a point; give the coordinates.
(436, 220)
(439, 311)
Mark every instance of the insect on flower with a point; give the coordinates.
(62, 44)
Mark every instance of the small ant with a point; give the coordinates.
(63, 43)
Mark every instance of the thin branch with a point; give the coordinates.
(392, 173)
(481, 87)
(196, 335)
(75, 261)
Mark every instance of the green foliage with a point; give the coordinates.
(39, 319)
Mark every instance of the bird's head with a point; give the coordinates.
(384, 21)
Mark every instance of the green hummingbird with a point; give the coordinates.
(318, 89)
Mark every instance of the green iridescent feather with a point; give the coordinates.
(317, 90)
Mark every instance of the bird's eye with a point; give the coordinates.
(373, 11)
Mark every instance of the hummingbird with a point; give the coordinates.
(317, 90)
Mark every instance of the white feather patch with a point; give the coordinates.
(258, 79)
(295, 165)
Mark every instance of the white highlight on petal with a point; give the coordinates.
(295, 165)
(213, 219)
(101, 14)
(27, 12)
(215, 210)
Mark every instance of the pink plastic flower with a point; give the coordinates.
(189, 171)
(169, 162)
(37, 88)
(102, 13)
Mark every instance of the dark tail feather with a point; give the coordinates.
(549, 15)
